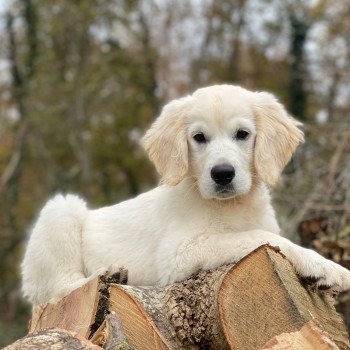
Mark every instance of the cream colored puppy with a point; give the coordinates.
(217, 151)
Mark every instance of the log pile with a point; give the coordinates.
(258, 303)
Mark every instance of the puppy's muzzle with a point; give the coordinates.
(223, 174)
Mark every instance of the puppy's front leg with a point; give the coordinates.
(212, 251)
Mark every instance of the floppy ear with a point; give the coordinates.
(166, 142)
(277, 137)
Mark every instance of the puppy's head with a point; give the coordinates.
(222, 136)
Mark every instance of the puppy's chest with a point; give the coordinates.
(215, 222)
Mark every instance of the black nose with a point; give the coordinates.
(223, 174)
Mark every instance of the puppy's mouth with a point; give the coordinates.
(224, 191)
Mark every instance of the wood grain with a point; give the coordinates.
(262, 297)
(75, 312)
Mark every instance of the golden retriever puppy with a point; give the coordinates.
(217, 151)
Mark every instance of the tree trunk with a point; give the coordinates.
(297, 91)
(258, 302)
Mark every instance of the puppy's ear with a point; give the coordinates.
(278, 135)
(166, 142)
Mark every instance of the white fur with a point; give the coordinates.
(185, 224)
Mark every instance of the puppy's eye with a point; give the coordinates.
(242, 134)
(200, 138)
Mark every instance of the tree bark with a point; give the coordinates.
(58, 339)
(242, 306)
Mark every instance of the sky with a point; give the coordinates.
(4, 5)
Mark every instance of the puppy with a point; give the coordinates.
(217, 151)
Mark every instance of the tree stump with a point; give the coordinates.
(257, 303)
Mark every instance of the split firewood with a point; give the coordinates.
(238, 306)
(110, 335)
(308, 338)
(58, 339)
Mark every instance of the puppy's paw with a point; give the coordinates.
(324, 273)
(336, 276)
(117, 275)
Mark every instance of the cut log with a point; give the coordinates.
(58, 339)
(241, 306)
(76, 312)
(308, 338)
(111, 335)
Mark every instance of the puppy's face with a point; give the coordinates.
(222, 136)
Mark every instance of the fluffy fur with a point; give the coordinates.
(189, 222)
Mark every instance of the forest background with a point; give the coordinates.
(80, 82)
